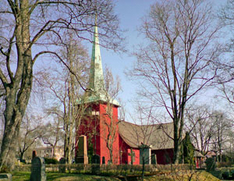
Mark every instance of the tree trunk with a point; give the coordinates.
(21, 155)
(67, 147)
(18, 89)
(176, 155)
(111, 156)
(9, 145)
(13, 114)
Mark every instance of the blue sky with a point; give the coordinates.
(130, 13)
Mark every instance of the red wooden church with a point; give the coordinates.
(118, 141)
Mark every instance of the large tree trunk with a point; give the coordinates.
(176, 144)
(9, 145)
(13, 114)
(67, 145)
(18, 89)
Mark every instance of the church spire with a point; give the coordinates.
(96, 85)
(96, 79)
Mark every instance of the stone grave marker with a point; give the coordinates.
(95, 164)
(62, 166)
(82, 150)
(132, 154)
(38, 169)
(145, 154)
(103, 160)
(5, 177)
(34, 154)
(96, 159)
(154, 159)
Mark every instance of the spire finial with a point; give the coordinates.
(96, 18)
(96, 13)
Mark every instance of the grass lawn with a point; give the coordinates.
(180, 176)
(25, 176)
(187, 175)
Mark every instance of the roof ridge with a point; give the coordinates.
(144, 124)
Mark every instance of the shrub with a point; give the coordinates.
(232, 173)
(51, 161)
(210, 164)
(224, 164)
(225, 175)
(4, 169)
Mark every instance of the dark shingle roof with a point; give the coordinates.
(159, 136)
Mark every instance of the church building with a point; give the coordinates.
(113, 140)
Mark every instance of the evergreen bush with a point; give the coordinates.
(51, 161)
(210, 164)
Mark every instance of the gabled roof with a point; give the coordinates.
(158, 136)
(198, 154)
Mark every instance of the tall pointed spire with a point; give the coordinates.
(96, 85)
(96, 79)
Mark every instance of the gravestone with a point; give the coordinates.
(96, 159)
(38, 169)
(5, 177)
(96, 164)
(145, 153)
(103, 160)
(132, 154)
(153, 159)
(81, 156)
(62, 167)
(34, 154)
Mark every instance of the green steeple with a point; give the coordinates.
(96, 85)
(96, 80)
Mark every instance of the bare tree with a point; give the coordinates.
(76, 57)
(31, 130)
(199, 125)
(226, 13)
(221, 127)
(28, 31)
(177, 63)
(210, 130)
(145, 135)
(230, 145)
(64, 91)
(53, 134)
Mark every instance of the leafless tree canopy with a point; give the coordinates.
(31, 29)
(178, 60)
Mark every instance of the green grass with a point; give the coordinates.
(21, 176)
(181, 176)
(25, 176)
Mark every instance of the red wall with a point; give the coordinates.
(89, 125)
(100, 122)
(125, 158)
(104, 131)
(163, 156)
(120, 149)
